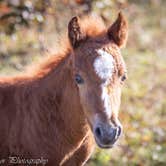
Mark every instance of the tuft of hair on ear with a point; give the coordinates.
(118, 31)
(75, 33)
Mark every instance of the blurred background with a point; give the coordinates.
(31, 29)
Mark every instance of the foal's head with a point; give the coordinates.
(99, 72)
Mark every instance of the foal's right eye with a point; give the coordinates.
(79, 79)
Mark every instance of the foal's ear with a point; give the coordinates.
(119, 30)
(75, 33)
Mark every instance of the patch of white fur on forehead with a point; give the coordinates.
(104, 64)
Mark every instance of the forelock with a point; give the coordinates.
(92, 25)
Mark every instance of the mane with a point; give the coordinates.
(92, 26)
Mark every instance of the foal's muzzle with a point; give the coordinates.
(106, 134)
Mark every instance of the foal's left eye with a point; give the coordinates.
(79, 79)
(123, 78)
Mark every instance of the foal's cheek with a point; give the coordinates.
(86, 103)
(83, 96)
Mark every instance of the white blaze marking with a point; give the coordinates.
(104, 67)
(106, 100)
(104, 64)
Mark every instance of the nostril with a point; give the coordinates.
(98, 132)
(119, 130)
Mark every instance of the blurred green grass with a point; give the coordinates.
(143, 108)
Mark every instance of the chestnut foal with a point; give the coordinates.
(73, 97)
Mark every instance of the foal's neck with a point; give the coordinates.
(59, 80)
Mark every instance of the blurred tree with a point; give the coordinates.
(27, 12)
(19, 12)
